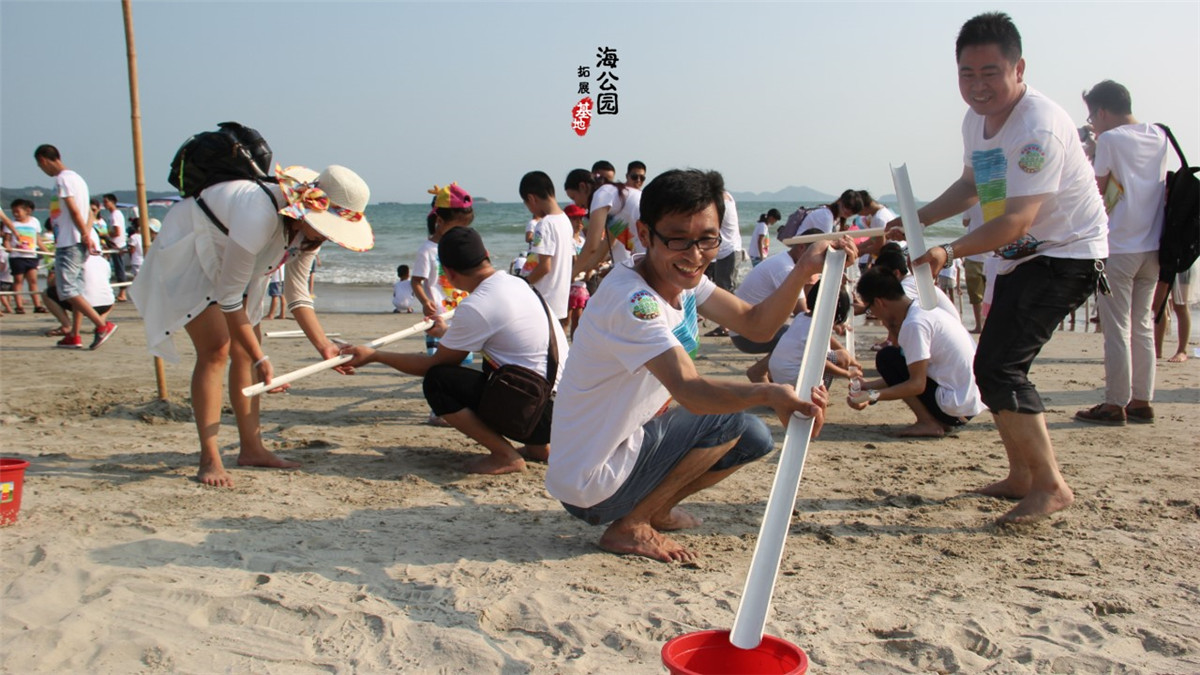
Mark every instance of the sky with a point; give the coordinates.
(412, 94)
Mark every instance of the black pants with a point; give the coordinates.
(449, 389)
(1027, 305)
(893, 368)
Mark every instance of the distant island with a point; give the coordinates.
(40, 196)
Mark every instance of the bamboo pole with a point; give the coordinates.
(135, 117)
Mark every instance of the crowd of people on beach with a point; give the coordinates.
(602, 313)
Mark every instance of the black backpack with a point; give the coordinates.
(233, 152)
(1180, 243)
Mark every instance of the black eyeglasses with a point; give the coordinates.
(683, 243)
(637, 177)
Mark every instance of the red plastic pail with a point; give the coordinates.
(12, 478)
(709, 652)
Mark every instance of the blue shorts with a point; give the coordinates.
(68, 270)
(669, 438)
(274, 289)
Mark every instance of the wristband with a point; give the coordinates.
(261, 361)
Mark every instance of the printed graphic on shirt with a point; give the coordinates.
(531, 263)
(55, 208)
(453, 296)
(1032, 158)
(688, 330)
(1114, 192)
(643, 305)
(620, 231)
(991, 182)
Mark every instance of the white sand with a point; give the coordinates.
(381, 555)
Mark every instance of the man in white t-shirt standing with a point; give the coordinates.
(68, 214)
(1023, 160)
(553, 245)
(724, 268)
(1131, 169)
(503, 319)
(929, 367)
(622, 455)
(117, 234)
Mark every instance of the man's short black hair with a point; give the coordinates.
(879, 282)
(991, 28)
(892, 259)
(111, 197)
(1109, 96)
(603, 165)
(47, 151)
(538, 184)
(635, 164)
(682, 191)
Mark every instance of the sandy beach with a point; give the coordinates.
(381, 555)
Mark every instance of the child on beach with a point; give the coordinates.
(23, 257)
(402, 295)
(452, 207)
(275, 292)
(579, 290)
(552, 248)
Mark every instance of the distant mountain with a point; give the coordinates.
(787, 194)
(40, 196)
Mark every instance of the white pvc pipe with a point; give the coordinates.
(822, 236)
(914, 232)
(768, 552)
(327, 364)
(293, 334)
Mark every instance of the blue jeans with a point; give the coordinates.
(1027, 305)
(669, 438)
(68, 270)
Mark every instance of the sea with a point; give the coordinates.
(400, 229)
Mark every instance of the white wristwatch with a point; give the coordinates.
(872, 396)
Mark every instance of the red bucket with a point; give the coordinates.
(709, 652)
(12, 478)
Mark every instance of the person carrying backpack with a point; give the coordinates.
(208, 271)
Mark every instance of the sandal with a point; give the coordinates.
(55, 332)
(40, 310)
(19, 310)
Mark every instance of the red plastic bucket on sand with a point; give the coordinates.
(12, 478)
(709, 652)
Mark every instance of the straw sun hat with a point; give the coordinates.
(332, 202)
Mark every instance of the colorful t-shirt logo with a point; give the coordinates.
(991, 182)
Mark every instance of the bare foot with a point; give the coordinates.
(1009, 488)
(976, 330)
(495, 466)
(264, 458)
(931, 429)
(536, 453)
(1179, 357)
(1037, 505)
(677, 519)
(214, 476)
(642, 539)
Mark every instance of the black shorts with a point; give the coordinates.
(893, 368)
(449, 389)
(22, 265)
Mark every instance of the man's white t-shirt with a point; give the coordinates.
(941, 339)
(1134, 157)
(1037, 152)
(789, 351)
(68, 185)
(909, 284)
(607, 394)
(554, 236)
(624, 209)
(765, 279)
(504, 320)
(117, 221)
(731, 232)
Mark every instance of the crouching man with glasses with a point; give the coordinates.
(623, 455)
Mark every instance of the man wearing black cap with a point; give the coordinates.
(503, 318)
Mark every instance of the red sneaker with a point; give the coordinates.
(70, 342)
(102, 335)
